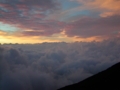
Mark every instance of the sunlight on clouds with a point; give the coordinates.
(61, 37)
(106, 4)
(3, 33)
(109, 7)
(54, 38)
(34, 30)
(105, 14)
(106, 7)
(15, 39)
(64, 21)
(94, 38)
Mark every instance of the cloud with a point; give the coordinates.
(45, 29)
(3, 33)
(105, 7)
(26, 80)
(30, 14)
(36, 16)
(89, 27)
(49, 66)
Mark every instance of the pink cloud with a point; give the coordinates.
(3, 5)
(48, 28)
(6, 6)
(22, 7)
(105, 7)
(30, 14)
(38, 15)
(32, 33)
(89, 27)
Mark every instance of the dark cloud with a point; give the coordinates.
(49, 66)
(89, 27)
(30, 4)
(2, 67)
(26, 80)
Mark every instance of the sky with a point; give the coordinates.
(37, 21)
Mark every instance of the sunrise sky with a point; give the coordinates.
(37, 21)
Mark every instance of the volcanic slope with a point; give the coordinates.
(108, 79)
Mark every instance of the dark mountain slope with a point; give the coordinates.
(108, 79)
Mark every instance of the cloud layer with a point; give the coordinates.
(30, 14)
(49, 66)
(46, 18)
(106, 7)
(88, 27)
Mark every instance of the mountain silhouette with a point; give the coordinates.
(108, 79)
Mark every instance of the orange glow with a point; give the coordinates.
(34, 30)
(55, 38)
(95, 38)
(3, 33)
(14, 39)
(108, 7)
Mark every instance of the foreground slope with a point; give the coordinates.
(105, 80)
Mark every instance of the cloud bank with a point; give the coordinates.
(105, 7)
(36, 18)
(30, 14)
(49, 66)
(89, 27)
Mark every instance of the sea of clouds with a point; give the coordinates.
(49, 66)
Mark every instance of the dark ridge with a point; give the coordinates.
(108, 79)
